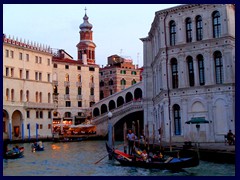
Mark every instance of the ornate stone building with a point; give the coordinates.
(189, 72)
(118, 74)
(27, 89)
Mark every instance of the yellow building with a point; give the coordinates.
(27, 89)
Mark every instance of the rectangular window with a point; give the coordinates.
(79, 68)
(7, 71)
(66, 67)
(49, 126)
(41, 114)
(41, 126)
(48, 76)
(55, 66)
(20, 56)
(28, 114)
(36, 59)
(37, 114)
(91, 69)
(27, 74)
(40, 60)
(20, 73)
(79, 103)
(7, 53)
(49, 114)
(40, 76)
(12, 72)
(48, 62)
(12, 54)
(27, 57)
(36, 76)
(68, 103)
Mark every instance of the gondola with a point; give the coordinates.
(170, 163)
(14, 155)
(37, 146)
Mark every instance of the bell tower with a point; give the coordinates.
(86, 47)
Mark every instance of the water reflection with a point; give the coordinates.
(78, 159)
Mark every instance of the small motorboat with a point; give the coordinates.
(14, 154)
(170, 162)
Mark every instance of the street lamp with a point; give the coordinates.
(110, 132)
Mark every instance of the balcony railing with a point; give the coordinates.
(78, 84)
(91, 85)
(92, 98)
(66, 97)
(55, 83)
(66, 83)
(33, 105)
(79, 97)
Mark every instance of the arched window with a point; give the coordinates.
(27, 96)
(12, 95)
(172, 26)
(40, 97)
(216, 24)
(79, 91)
(199, 28)
(174, 66)
(133, 81)
(101, 83)
(79, 78)
(201, 69)
(101, 95)
(55, 90)
(188, 30)
(21, 95)
(92, 79)
(177, 119)
(92, 91)
(49, 98)
(218, 67)
(7, 94)
(123, 81)
(190, 71)
(67, 77)
(110, 82)
(36, 96)
(67, 90)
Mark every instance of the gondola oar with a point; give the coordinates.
(101, 159)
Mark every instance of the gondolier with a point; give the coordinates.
(131, 137)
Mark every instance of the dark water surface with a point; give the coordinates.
(78, 159)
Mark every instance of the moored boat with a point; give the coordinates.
(170, 163)
(37, 146)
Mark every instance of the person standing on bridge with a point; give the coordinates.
(131, 137)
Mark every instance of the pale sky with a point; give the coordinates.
(116, 27)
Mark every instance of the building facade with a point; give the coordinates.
(189, 72)
(46, 90)
(118, 74)
(27, 89)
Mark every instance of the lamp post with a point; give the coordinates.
(110, 139)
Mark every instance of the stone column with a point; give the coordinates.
(10, 129)
(196, 72)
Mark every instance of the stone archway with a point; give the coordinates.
(17, 124)
(5, 124)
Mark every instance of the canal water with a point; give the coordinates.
(78, 159)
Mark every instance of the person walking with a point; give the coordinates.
(131, 138)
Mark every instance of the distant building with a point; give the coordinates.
(117, 75)
(75, 82)
(189, 72)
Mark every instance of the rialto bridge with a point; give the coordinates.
(126, 106)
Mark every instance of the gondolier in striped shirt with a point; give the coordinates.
(131, 137)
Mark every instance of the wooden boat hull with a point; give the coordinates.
(173, 164)
(12, 155)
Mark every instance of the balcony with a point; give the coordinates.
(66, 83)
(78, 84)
(55, 83)
(66, 97)
(33, 105)
(92, 98)
(91, 85)
(79, 97)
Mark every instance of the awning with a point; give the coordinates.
(197, 120)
